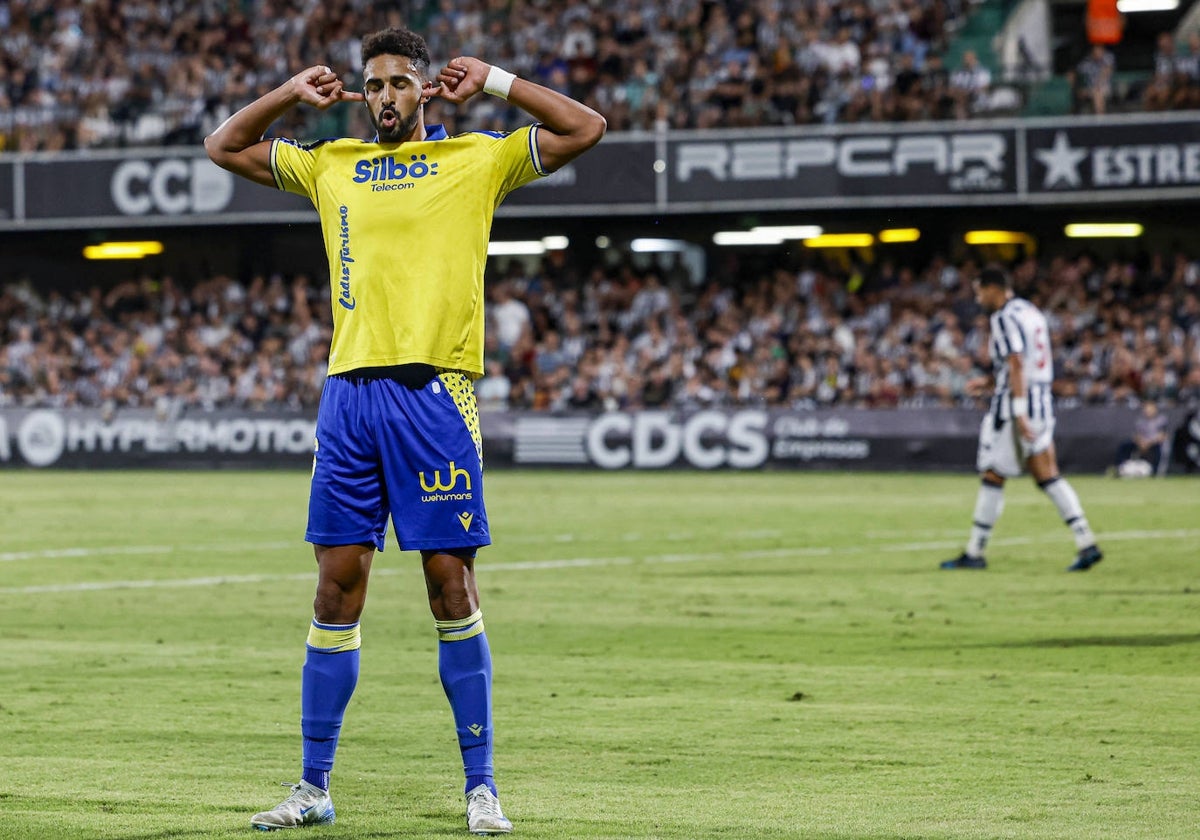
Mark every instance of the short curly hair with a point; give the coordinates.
(394, 41)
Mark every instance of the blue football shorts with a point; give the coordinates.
(384, 449)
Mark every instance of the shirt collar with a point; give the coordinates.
(437, 131)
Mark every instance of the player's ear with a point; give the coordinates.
(428, 91)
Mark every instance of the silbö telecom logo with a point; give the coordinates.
(386, 173)
(345, 298)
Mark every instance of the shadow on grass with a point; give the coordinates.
(410, 832)
(166, 834)
(175, 834)
(1141, 640)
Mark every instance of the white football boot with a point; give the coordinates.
(483, 813)
(307, 805)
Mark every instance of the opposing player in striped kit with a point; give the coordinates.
(1017, 435)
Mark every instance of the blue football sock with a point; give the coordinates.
(465, 666)
(319, 778)
(327, 682)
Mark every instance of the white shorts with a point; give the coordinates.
(1003, 451)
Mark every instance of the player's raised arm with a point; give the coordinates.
(237, 144)
(570, 128)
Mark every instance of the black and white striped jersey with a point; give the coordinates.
(1019, 327)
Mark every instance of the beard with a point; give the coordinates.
(399, 131)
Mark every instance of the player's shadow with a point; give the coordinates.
(179, 834)
(1139, 640)
(166, 834)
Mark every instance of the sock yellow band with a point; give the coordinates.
(460, 628)
(329, 639)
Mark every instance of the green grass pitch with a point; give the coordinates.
(687, 655)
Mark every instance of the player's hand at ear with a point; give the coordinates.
(462, 78)
(320, 87)
(430, 90)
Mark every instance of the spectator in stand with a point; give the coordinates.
(1149, 437)
(970, 87)
(1187, 74)
(510, 316)
(1160, 92)
(583, 396)
(935, 83)
(906, 99)
(1092, 81)
(550, 358)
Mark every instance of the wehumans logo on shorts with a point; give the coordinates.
(387, 174)
(345, 298)
(439, 492)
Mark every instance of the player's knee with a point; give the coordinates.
(454, 601)
(450, 580)
(1045, 482)
(992, 478)
(338, 601)
(453, 597)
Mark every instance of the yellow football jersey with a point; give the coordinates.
(406, 229)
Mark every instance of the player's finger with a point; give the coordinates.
(352, 96)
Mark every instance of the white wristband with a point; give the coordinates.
(499, 82)
(1020, 406)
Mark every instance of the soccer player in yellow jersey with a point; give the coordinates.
(406, 221)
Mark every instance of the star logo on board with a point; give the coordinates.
(1061, 162)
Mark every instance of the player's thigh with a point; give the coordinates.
(1041, 456)
(432, 464)
(347, 504)
(1040, 450)
(998, 448)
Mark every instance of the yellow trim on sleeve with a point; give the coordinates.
(274, 167)
(535, 153)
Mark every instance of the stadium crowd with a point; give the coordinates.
(98, 73)
(1174, 84)
(637, 333)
